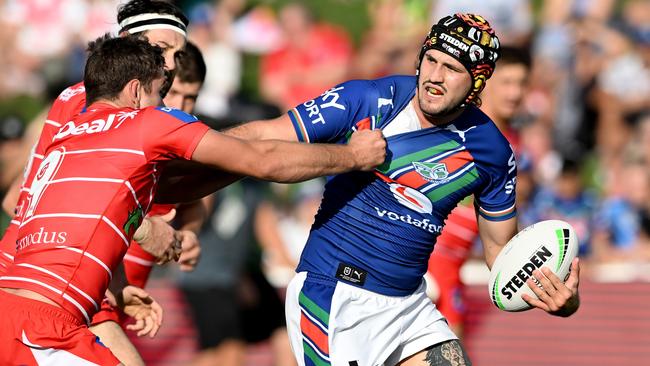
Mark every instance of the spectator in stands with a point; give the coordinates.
(212, 28)
(394, 35)
(282, 225)
(511, 18)
(313, 58)
(504, 93)
(568, 200)
(618, 220)
(230, 300)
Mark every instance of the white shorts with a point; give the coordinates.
(333, 323)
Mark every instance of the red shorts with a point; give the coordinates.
(35, 333)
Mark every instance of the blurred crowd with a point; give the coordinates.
(579, 118)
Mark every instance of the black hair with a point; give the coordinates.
(113, 62)
(511, 55)
(570, 166)
(190, 65)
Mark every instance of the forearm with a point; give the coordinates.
(191, 216)
(290, 162)
(246, 131)
(279, 128)
(494, 236)
(175, 190)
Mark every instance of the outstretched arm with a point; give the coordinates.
(204, 180)
(290, 162)
(279, 128)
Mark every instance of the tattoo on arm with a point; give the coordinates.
(450, 353)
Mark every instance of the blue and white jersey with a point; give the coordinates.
(377, 230)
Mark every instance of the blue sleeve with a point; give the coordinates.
(329, 117)
(496, 201)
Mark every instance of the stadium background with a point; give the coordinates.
(586, 107)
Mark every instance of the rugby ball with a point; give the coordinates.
(551, 243)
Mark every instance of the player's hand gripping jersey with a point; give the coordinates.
(377, 231)
(90, 192)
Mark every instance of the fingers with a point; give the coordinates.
(148, 326)
(172, 252)
(148, 321)
(158, 312)
(110, 298)
(191, 252)
(543, 299)
(177, 246)
(574, 278)
(137, 326)
(553, 294)
(129, 292)
(370, 147)
(169, 216)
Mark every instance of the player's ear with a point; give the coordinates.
(133, 93)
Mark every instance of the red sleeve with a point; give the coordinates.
(68, 104)
(169, 133)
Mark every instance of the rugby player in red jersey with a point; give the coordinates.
(96, 183)
(189, 76)
(164, 25)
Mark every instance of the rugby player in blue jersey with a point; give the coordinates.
(358, 297)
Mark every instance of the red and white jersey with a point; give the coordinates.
(92, 189)
(67, 105)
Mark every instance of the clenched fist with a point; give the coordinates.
(369, 149)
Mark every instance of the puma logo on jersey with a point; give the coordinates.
(386, 101)
(98, 125)
(460, 133)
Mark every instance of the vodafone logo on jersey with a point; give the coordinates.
(411, 198)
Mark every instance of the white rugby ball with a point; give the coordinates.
(551, 243)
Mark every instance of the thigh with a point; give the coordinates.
(449, 353)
